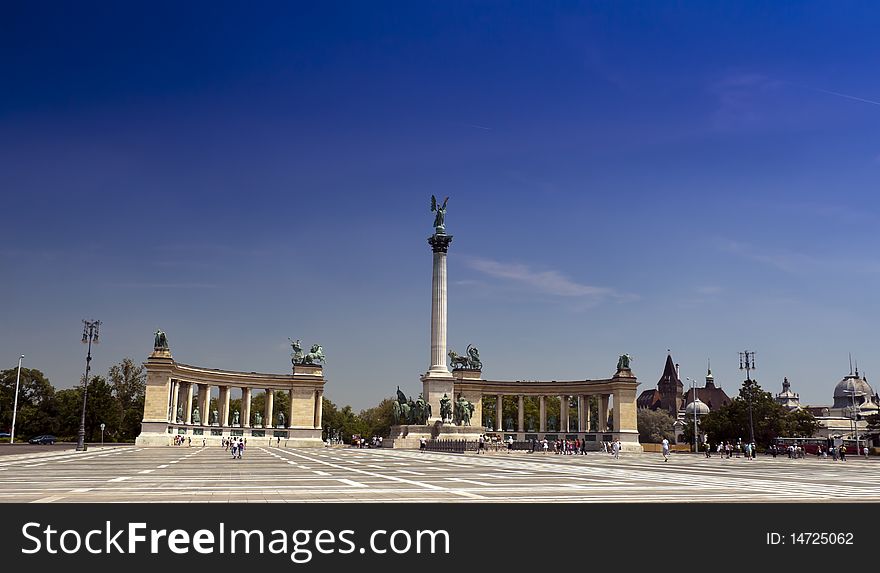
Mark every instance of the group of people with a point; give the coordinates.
(728, 449)
(235, 446)
(361, 442)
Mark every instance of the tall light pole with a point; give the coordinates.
(855, 424)
(15, 403)
(90, 334)
(747, 363)
(694, 404)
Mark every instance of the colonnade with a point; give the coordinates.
(190, 395)
(584, 413)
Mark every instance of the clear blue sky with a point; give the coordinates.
(623, 177)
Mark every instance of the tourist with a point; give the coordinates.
(615, 449)
(665, 448)
(545, 445)
(204, 442)
(842, 452)
(482, 445)
(708, 450)
(510, 445)
(866, 452)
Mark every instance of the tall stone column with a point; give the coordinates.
(581, 418)
(270, 407)
(499, 412)
(588, 415)
(542, 413)
(438, 380)
(224, 405)
(189, 402)
(246, 407)
(175, 396)
(205, 401)
(290, 408)
(319, 408)
(563, 414)
(602, 420)
(520, 415)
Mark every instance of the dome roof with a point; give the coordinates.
(702, 408)
(849, 386)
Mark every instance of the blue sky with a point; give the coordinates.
(623, 177)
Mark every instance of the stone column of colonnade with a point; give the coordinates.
(563, 414)
(602, 420)
(319, 409)
(270, 406)
(246, 407)
(289, 414)
(520, 414)
(224, 405)
(189, 402)
(204, 403)
(542, 413)
(175, 396)
(499, 412)
(581, 418)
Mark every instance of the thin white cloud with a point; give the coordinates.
(797, 263)
(545, 282)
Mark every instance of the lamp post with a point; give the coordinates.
(15, 403)
(853, 419)
(694, 404)
(747, 363)
(102, 434)
(90, 334)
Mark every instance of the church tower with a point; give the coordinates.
(671, 389)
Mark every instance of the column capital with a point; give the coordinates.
(439, 242)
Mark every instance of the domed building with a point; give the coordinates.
(853, 391)
(698, 405)
(854, 401)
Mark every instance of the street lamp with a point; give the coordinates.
(90, 334)
(853, 419)
(102, 434)
(694, 404)
(747, 363)
(15, 403)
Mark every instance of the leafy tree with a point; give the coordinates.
(101, 408)
(128, 381)
(873, 421)
(36, 403)
(654, 425)
(770, 419)
(377, 421)
(69, 411)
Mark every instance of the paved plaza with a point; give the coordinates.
(272, 474)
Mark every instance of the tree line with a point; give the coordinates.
(116, 400)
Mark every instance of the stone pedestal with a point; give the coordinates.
(434, 386)
(408, 436)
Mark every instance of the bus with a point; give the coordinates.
(810, 445)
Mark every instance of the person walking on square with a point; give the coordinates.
(865, 450)
(665, 447)
(842, 453)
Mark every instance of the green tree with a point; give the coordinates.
(69, 411)
(102, 408)
(128, 381)
(770, 419)
(654, 425)
(37, 409)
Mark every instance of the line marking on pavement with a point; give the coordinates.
(163, 466)
(49, 499)
(473, 481)
(81, 490)
(351, 482)
(411, 472)
(119, 479)
(387, 477)
(320, 473)
(146, 471)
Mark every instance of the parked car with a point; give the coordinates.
(5, 435)
(46, 439)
